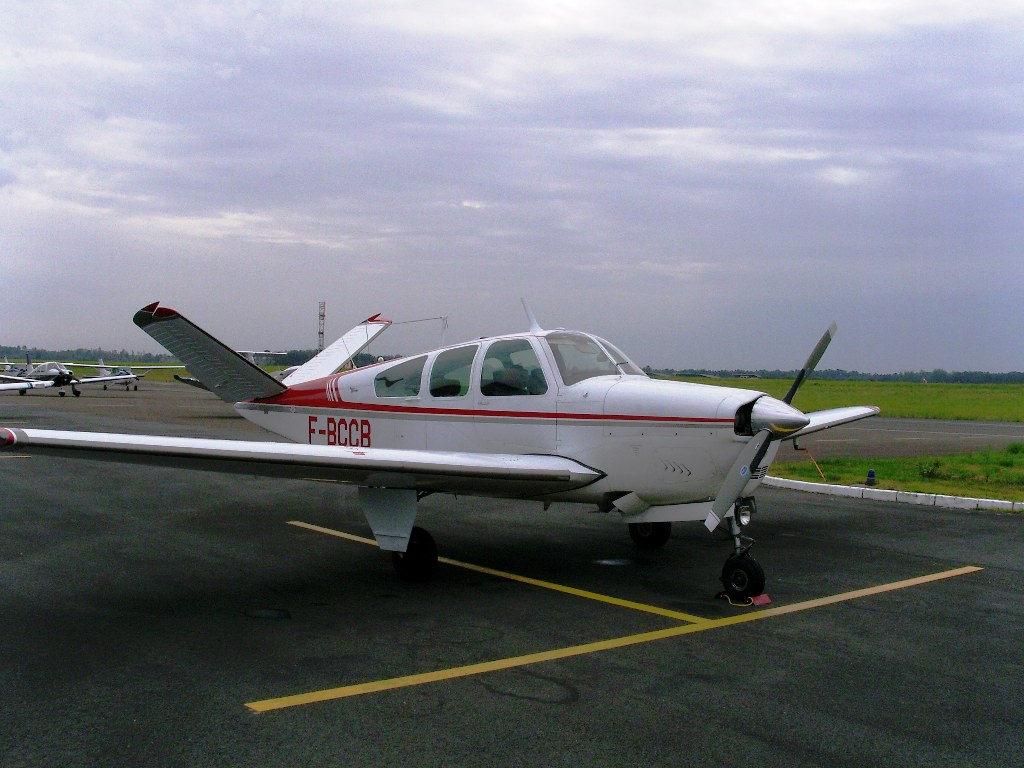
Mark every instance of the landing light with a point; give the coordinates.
(744, 509)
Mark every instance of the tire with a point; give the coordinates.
(742, 577)
(650, 535)
(419, 560)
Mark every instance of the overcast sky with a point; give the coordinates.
(707, 184)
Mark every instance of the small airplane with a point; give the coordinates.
(132, 375)
(550, 415)
(55, 374)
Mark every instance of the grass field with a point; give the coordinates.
(985, 475)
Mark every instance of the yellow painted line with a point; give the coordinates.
(524, 579)
(579, 592)
(15, 456)
(313, 697)
(471, 669)
(332, 532)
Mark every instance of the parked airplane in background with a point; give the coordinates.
(54, 374)
(551, 415)
(132, 374)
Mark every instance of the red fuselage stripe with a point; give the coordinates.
(478, 412)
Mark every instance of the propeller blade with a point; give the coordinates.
(812, 362)
(738, 476)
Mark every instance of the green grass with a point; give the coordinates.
(971, 402)
(986, 474)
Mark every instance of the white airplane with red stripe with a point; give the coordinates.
(548, 415)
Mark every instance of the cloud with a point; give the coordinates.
(763, 165)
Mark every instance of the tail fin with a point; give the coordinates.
(221, 370)
(340, 352)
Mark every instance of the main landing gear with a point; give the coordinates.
(650, 535)
(419, 561)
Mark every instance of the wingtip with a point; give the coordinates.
(152, 312)
(7, 439)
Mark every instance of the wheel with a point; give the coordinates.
(742, 577)
(76, 392)
(62, 393)
(650, 535)
(419, 560)
(104, 387)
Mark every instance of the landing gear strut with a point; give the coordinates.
(419, 560)
(742, 576)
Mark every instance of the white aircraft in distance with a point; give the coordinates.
(54, 374)
(550, 415)
(132, 374)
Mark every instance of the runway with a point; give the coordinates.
(881, 437)
(158, 617)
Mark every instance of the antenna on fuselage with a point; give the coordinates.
(534, 325)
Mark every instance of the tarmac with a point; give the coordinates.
(155, 617)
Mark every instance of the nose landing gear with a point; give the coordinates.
(742, 576)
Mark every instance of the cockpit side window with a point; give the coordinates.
(451, 371)
(402, 380)
(511, 368)
(579, 357)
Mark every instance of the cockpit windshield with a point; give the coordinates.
(581, 357)
(623, 363)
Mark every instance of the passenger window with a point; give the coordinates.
(449, 375)
(402, 380)
(511, 368)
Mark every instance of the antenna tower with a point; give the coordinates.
(323, 313)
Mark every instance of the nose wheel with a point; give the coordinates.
(742, 577)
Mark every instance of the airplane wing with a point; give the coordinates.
(114, 366)
(23, 385)
(340, 352)
(104, 379)
(221, 370)
(16, 379)
(447, 471)
(833, 418)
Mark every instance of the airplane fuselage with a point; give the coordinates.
(552, 393)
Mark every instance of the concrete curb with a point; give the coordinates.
(901, 497)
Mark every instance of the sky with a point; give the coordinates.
(707, 184)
